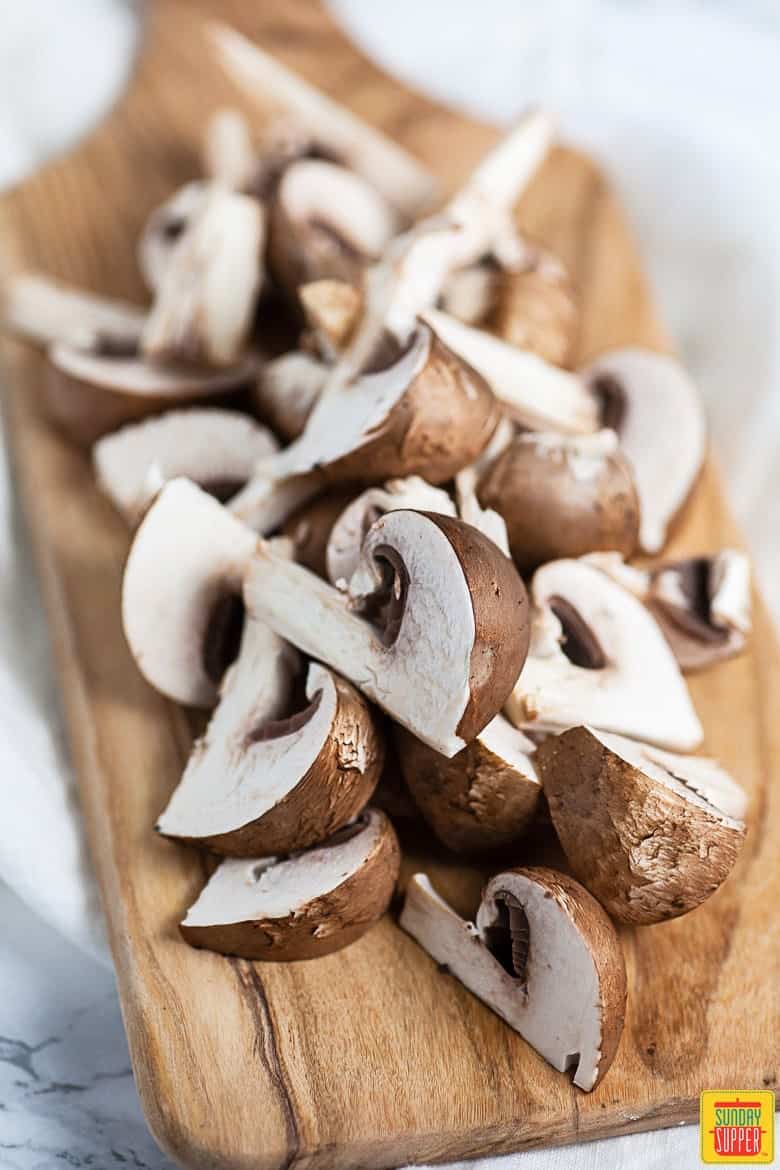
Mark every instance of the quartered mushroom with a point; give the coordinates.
(651, 834)
(426, 413)
(89, 393)
(337, 132)
(286, 391)
(45, 311)
(269, 775)
(433, 628)
(542, 954)
(536, 307)
(325, 222)
(650, 400)
(217, 449)
(345, 541)
(598, 657)
(303, 906)
(563, 496)
(702, 603)
(482, 799)
(181, 595)
(204, 305)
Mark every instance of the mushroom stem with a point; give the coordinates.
(537, 394)
(49, 311)
(267, 502)
(229, 157)
(400, 177)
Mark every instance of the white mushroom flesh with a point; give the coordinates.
(49, 311)
(315, 190)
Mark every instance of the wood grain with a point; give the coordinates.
(368, 1057)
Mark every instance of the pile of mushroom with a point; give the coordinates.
(406, 539)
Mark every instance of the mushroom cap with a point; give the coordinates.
(217, 449)
(563, 496)
(651, 834)
(181, 593)
(286, 391)
(537, 308)
(342, 554)
(650, 400)
(303, 906)
(325, 222)
(543, 955)
(598, 656)
(164, 228)
(703, 606)
(310, 528)
(484, 797)
(262, 780)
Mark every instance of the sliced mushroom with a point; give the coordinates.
(48, 311)
(229, 156)
(332, 309)
(181, 595)
(701, 603)
(535, 393)
(286, 391)
(165, 227)
(440, 636)
(542, 954)
(342, 554)
(267, 777)
(563, 496)
(205, 303)
(217, 449)
(650, 400)
(471, 294)
(649, 833)
(485, 520)
(325, 222)
(401, 179)
(299, 907)
(484, 797)
(311, 526)
(597, 656)
(536, 308)
(89, 394)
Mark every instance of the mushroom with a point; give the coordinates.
(542, 954)
(332, 309)
(181, 594)
(702, 603)
(165, 227)
(563, 496)
(488, 522)
(47, 311)
(426, 413)
(400, 178)
(471, 293)
(303, 906)
(650, 400)
(205, 303)
(649, 833)
(536, 307)
(286, 391)
(325, 222)
(311, 526)
(90, 393)
(229, 156)
(440, 634)
(269, 776)
(533, 392)
(484, 797)
(342, 554)
(597, 656)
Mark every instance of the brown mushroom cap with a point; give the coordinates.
(563, 497)
(484, 797)
(301, 907)
(645, 831)
(310, 528)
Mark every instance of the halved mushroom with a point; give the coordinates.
(533, 392)
(165, 227)
(205, 302)
(536, 307)
(332, 309)
(400, 178)
(48, 311)
(702, 603)
(325, 222)
(217, 449)
(286, 391)
(310, 528)
(649, 833)
(342, 555)
(181, 595)
(299, 907)
(598, 657)
(229, 155)
(563, 496)
(440, 635)
(542, 954)
(270, 776)
(484, 797)
(88, 394)
(650, 400)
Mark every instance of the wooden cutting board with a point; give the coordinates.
(368, 1057)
